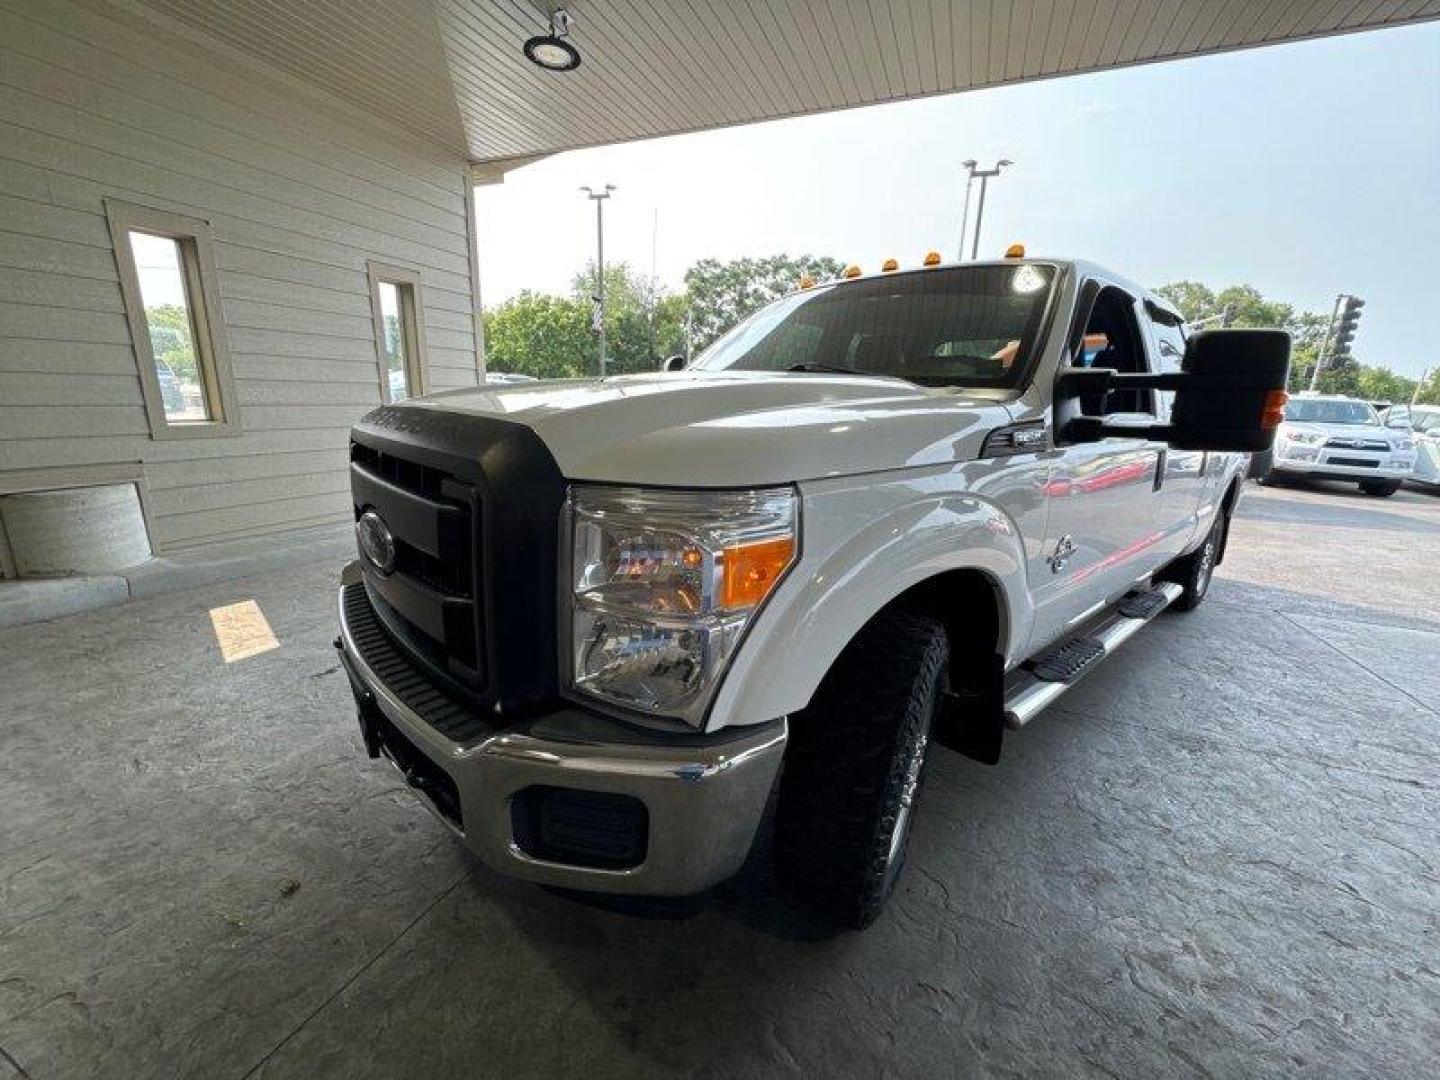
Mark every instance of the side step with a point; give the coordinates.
(1039, 681)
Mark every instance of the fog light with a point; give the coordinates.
(580, 828)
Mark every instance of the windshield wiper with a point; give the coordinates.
(833, 369)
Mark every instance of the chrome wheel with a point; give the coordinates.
(1207, 565)
(908, 790)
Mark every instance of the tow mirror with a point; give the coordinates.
(673, 363)
(1229, 394)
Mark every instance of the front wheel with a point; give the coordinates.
(853, 768)
(1194, 572)
(1380, 489)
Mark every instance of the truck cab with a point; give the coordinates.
(591, 619)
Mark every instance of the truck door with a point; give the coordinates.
(1113, 515)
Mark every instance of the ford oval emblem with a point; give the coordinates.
(377, 543)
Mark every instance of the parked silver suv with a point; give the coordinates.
(1338, 438)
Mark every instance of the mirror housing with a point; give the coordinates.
(1229, 394)
(673, 363)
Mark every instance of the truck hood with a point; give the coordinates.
(734, 429)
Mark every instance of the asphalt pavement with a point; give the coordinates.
(1218, 856)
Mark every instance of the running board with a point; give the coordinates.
(1037, 683)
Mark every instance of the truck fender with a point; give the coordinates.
(839, 585)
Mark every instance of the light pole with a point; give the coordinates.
(969, 167)
(984, 176)
(598, 198)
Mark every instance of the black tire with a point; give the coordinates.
(1260, 466)
(1380, 489)
(1195, 571)
(853, 768)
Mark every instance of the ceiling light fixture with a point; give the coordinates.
(551, 51)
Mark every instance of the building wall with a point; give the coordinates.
(300, 192)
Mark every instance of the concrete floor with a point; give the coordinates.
(1219, 857)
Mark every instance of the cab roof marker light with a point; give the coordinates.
(1015, 251)
(851, 271)
(889, 266)
(932, 259)
(807, 282)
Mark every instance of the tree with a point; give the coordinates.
(171, 340)
(1430, 389)
(642, 325)
(723, 293)
(1381, 384)
(544, 336)
(1247, 307)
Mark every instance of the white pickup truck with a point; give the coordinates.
(607, 629)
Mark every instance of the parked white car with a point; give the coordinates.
(1423, 424)
(1327, 437)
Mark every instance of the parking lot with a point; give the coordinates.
(1218, 856)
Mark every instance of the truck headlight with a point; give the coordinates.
(1305, 438)
(663, 584)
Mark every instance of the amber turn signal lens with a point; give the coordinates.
(751, 571)
(1273, 411)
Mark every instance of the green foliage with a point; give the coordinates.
(642, 325)
(723, 293)
(1248, 308)
(1430, 389)
(171, 339)
(544, 336)
(1381, 384)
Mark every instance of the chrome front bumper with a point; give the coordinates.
(704, 796)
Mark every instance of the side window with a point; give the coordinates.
(399, 332)
(1169, 351)
(167, 273)
(1112, 339)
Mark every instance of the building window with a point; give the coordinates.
(399, 332)
(167, 277)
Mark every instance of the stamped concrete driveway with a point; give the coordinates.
(1218, 857)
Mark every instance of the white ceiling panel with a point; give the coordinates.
(452, 70)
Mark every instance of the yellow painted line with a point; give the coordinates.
(242, 631)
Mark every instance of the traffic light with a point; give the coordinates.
(1345, 325)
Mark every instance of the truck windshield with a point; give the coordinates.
(962, 326)
(1314, 411)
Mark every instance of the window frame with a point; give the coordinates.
(412, 323)
(1128, 304)
(196, 245)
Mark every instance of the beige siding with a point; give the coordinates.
(301, 193)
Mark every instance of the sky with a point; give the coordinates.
(1307, 170)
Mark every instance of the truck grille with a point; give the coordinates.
(1373, 445)
(429, 600)
(473, 503)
